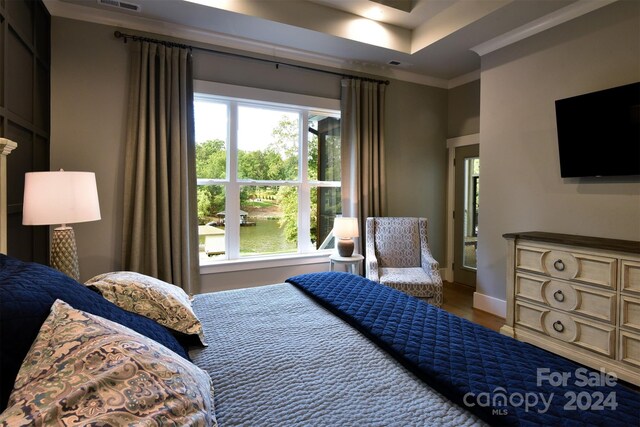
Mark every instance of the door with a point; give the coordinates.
(465, 231)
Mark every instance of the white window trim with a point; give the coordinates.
(266, 97)
(272, 261)
(255, 95)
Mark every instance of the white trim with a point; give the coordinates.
(460, 141)
(58, 8)
(489, 304)
(452, 144)
(252, 94)
(300, 104)
(464, 79)
(257, 263)
(553, 19)
(6, 146)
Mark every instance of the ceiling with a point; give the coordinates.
(429, 39)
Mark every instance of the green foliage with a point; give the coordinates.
(211, 159)
(277, 162)
(205, 202)
(261, 165)
(288, 200)
(211, 163)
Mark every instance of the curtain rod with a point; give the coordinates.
(120, 35)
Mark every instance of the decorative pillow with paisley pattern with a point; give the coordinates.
(86, 370)
(163, 302)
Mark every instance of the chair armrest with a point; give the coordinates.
(371, 262)
(428, 261)
(430, 265)
(372, 269)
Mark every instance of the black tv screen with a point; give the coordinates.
(599, 133)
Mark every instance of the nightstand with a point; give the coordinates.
(351, 262)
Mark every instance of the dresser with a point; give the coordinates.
(578, 297)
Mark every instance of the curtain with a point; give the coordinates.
(363, 172)
(160, 235)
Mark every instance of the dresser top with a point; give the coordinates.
(617, 245)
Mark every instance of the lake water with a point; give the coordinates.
(266, 237)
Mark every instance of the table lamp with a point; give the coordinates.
(345, 229)
(61, 198)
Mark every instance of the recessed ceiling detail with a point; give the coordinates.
(403, 5)
(430, 39)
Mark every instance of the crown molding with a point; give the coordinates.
(464, 79)
(61, 9)
(553, 19)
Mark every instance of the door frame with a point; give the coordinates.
(452, 144)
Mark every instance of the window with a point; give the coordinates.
(268, 172)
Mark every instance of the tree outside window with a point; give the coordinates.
(285, 205)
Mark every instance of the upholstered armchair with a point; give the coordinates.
(397, 255)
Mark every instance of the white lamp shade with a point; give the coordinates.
(345, 227)
(60, 197)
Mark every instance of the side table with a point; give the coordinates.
(351, 262)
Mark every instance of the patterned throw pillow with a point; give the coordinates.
(83, 369)
(163, 302)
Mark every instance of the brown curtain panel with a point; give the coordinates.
(160, 236)
(363, 171)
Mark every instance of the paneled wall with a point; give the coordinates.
(25, 113)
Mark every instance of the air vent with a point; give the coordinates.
(394, 62)
(121, 5)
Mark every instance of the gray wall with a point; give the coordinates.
(416, 157)
(88, 116)
(89, 101)
(463, 110)
(521, 185)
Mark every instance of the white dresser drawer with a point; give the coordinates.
(630, 313)
(629, 351)
(596, 303)
(590, 269)
(577, 296)
(596, 337)
(630, 272)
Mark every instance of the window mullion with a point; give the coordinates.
(304, 191)
(232, 205)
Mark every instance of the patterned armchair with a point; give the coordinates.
(397, 255)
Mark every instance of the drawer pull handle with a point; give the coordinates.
(558, 326)
(559, 265)
(558, 296)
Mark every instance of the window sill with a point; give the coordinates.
(256, 263)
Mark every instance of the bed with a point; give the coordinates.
(321, 349)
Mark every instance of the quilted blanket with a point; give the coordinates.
(277, 358)
(500, 379)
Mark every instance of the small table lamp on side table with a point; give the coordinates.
(61, 198)
(345, 229)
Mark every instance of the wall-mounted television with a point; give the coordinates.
(599, 133)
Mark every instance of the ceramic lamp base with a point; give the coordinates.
(64, 253)
(345, 247)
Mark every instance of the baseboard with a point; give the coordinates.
(489, 304)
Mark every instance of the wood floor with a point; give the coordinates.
(458, 299)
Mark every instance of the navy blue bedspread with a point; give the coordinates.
(500, 379)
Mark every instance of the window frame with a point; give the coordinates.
(236, 96)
